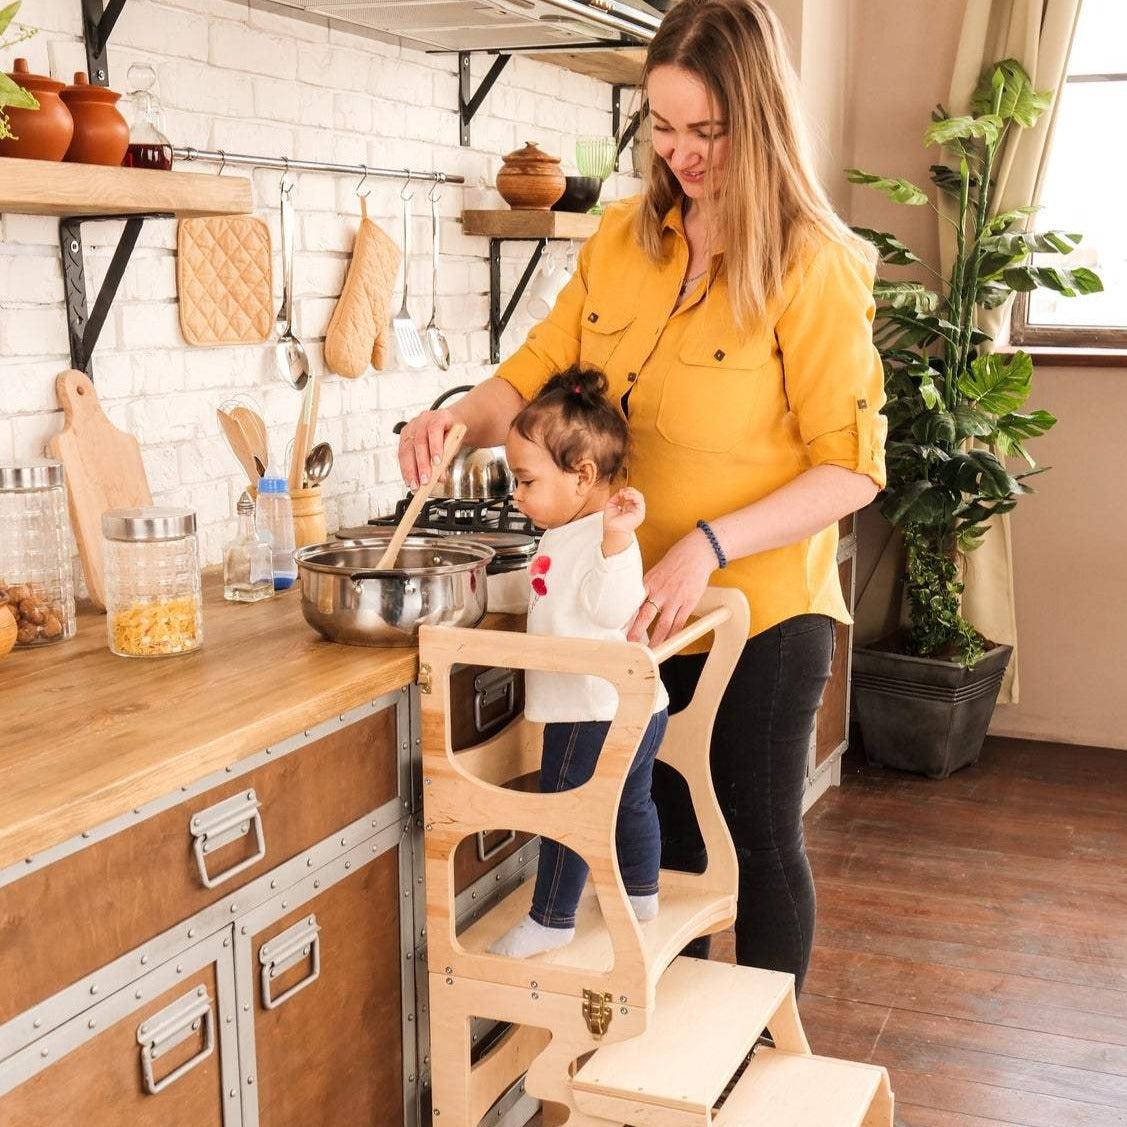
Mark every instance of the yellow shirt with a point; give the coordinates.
(721, 418)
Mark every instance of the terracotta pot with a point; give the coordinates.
(531, 179)
(42, 134)
(101, 135)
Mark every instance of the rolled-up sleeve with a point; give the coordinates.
(832, 373)
(554, 343)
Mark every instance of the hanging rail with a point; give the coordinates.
(286, 164)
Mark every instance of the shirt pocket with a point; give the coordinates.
(601, 331)
(711, 390)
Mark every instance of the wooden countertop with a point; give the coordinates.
(88, 735)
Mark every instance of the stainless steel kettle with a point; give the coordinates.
(476, 474)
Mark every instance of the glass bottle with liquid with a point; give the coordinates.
(248, 562)
(148, 146)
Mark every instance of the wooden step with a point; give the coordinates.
(686, 912)
(791, 1090)
(706, 1019)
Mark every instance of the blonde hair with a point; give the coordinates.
(772, 205)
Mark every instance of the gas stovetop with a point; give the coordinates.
(463, 516)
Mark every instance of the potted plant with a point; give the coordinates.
(11, 93)
(956, 415)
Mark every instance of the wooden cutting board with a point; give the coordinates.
(103, 469)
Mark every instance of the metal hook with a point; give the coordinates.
(435, 192)
(222, 162)
(363, 179)
(286, 184)
(403, 193)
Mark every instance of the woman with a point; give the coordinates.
(732, 311)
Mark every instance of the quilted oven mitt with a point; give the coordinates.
(360, 325)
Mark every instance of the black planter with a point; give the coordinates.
(922, 714)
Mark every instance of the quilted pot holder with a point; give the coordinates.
(224, 279)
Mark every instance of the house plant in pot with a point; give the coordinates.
(958, 418)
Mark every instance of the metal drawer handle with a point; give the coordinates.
(484, 854)
(491, 686)
(287, 950)
(170, 1027)
(221, 824)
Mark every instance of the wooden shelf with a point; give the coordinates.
(510, 223)
(37, 187)
(619, 67)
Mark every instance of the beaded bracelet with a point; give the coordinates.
(706, 528)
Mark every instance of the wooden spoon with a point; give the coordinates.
(306, 429)
(453, 440)
(237, 440)
(255, 431)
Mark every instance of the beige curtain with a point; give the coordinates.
(1038, 33)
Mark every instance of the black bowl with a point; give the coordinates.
(581, 194)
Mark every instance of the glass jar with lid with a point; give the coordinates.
(153, 600)
(36, 581)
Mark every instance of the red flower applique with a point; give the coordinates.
(538, 569)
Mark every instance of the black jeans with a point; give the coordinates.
(760, 745)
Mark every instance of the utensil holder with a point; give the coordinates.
(308, 516)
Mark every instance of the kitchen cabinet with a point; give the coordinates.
(831, 730)
(161, 1053)
(321, 969)
(254, 926)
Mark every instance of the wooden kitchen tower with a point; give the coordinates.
(615, 1028)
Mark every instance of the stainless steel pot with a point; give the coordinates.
(441, 583)
(476, 473)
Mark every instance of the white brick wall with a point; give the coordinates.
(258, 80)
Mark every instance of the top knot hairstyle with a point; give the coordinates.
(573, 419)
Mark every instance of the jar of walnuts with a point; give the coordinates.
(36, 582)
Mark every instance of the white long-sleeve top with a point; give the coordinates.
(577, 592)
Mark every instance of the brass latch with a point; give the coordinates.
(597, 1011)
(424, 677)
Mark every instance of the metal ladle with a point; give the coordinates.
(319, 463)
(437, 344)
(289, 354)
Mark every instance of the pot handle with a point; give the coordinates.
(436, 404)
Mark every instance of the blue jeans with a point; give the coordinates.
(571, 752)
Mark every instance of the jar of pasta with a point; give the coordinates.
(153, 602)
(36, 583)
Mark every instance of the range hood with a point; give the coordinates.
(506, 25)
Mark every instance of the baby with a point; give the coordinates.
(567, 451)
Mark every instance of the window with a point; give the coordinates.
(1083, 189)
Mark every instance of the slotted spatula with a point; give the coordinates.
(454, 438)
(408, 342)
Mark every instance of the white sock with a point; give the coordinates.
(645, 907)
(530, 938)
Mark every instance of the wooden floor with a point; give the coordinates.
(972, 936)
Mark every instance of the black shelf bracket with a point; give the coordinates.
(499, 321)
(84, 325)
(624, 135)
(469, 100)
(97, 25)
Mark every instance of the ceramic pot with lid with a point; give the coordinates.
(531, 179)
(42, 134)
(101, 134)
